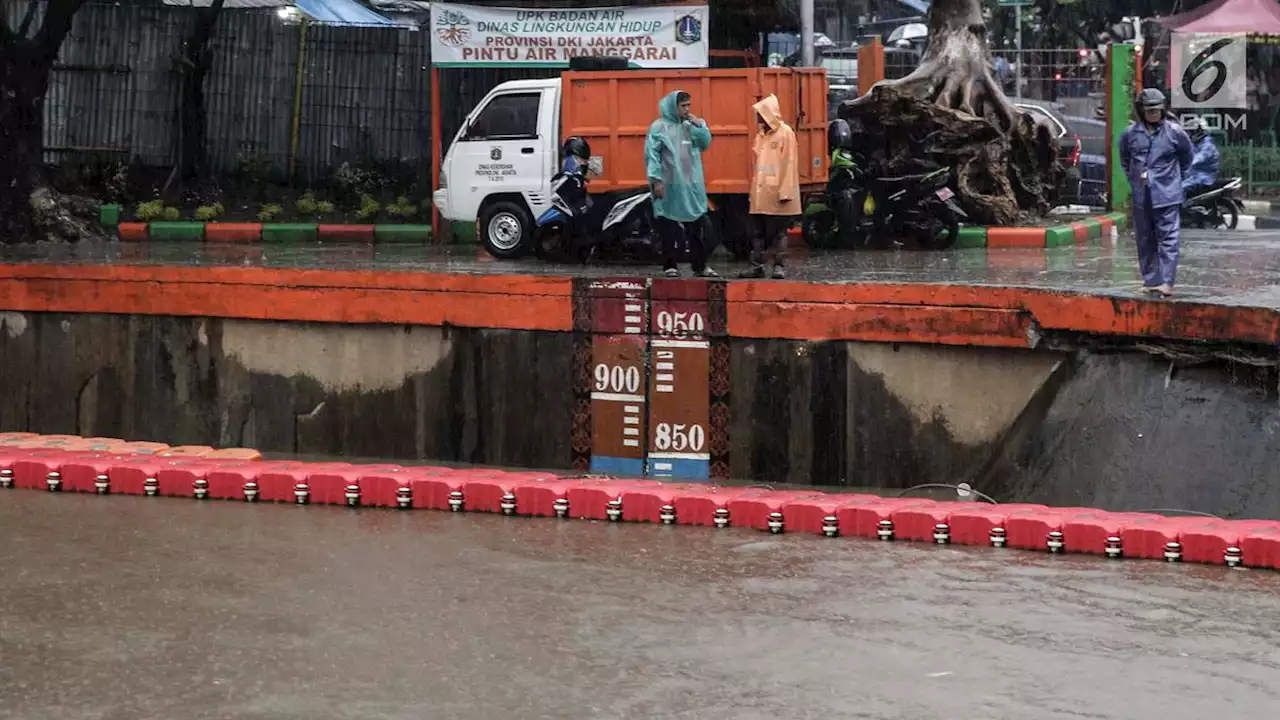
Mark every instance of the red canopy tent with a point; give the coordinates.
(1228, 17)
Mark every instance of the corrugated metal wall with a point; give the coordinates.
(365, 92)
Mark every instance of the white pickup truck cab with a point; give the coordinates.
(497, 172)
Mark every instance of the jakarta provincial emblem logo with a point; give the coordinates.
(453, 28)
(689, 29)
(495, 153)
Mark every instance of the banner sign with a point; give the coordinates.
(664, 36)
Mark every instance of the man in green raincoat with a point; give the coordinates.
(673, 161)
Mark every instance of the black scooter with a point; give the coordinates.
(1215, 207)
(864, 209)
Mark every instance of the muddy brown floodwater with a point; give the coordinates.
(141, 609)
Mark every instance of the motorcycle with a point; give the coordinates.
(1215, 207)
(865, 210)
(579, 226)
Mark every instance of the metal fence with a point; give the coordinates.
(365, 93)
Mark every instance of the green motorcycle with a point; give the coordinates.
(861, 210)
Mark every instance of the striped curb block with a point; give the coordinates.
(70, 464)
(1262, 207)
(1083, 231)
(253, 233)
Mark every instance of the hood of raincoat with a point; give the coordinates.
(769, 110)
(668, 108)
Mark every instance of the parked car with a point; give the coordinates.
(1081, 148)
(841, 64)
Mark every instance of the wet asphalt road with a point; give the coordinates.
(1224, 267)
(142, 609)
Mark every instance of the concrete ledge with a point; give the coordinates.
(216, 232)
(64, 464)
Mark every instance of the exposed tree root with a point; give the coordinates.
(951, 111)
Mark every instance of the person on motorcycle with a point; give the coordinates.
(1156, 154)
(775, 193)
(571, 183)
(1204, 163)
(673, 163)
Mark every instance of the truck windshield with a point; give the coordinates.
(507, 116)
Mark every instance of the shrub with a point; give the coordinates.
(171, 214)
(150, 210)
(369, 207)
(307, 204)
(205, 213)
(402, 208)
(269, 213)
(324, 207)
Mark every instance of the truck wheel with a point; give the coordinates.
(506, 229)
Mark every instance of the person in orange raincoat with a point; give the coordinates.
(775, 191)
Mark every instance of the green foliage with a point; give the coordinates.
(268, 213)
(252, 166)
(206, 213)
(402, 208)
(171, 214)
(150, 210)
(324, 207)
(307, 204)
(354, 182)
(369, 208)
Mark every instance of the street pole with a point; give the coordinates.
(806, 33)
(1017, 74)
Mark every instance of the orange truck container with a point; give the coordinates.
(613, 110)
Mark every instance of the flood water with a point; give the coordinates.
(145, 608)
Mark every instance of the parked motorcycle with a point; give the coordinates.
(578, 226)
(1215, 207)
(863, 209)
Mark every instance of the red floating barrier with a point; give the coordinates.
(339, 483)
(818, 514)
(189, 477)
(1099, 533)
(9, 456)
(1155, 538)
(709, 506)
(185, 451)
(655, 503)
(142, 448)
(545, 497)
(490, 492)
(135, 476)
(1217, 542)
(88, 473)
(386, 486)
(1041, 529)
(13, 437)
(282, 482)
(984, 524)
(234, 454)
(601, 499)
(923, 523)
(875, 519)
(1260, 545)
(438, 488)
(33, 472)
(238, 481)
(764, 511)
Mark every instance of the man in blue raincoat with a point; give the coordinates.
(673, 162)
(1204, 164)
(1156, 153)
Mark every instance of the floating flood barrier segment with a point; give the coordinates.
(109, 466)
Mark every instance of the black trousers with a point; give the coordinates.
(769, 239)
(676, 236)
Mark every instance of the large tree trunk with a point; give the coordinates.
(29, 211)
(197, 59)
(23, 81)
(951, 111)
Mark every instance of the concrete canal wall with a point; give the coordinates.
(1062, 427)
